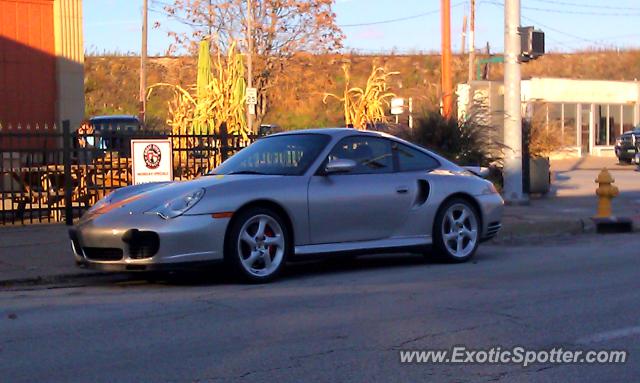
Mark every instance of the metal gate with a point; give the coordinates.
(48, 174)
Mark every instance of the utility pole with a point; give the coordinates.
(143, 64)
(472, 39)
(447, 82)
(251, 111)
(513, 193)
(464, 34)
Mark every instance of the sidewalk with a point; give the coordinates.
(568, 208)
(41, 253)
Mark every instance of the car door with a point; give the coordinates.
(368, 203)
(414, 167)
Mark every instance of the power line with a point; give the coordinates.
(548, 27)
(570, 12)
(588, 13)
(600, 41)
(180, 19)
(416, 16)
(551, 28)
(558, 30)
(591, 6)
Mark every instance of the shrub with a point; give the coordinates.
(465, 143)
(542, 137)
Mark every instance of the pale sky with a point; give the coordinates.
(403, 26)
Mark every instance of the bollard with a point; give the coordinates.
(606, 191)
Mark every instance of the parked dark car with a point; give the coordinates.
(628, 146)
(108, 136)
(116, 122)
(115, 132)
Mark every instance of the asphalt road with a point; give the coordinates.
(336, 321)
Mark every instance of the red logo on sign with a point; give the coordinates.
(152, 156)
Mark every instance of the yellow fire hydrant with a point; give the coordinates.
(606, 191)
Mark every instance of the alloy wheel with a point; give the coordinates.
(460, 230)
(261, 245)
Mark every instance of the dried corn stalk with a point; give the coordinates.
(194, 111)
(365, 107)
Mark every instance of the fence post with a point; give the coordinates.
(66, 159)
(224, 142)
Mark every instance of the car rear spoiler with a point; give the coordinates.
(480, 171)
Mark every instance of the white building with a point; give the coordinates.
(589, 114)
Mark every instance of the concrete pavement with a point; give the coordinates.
(36, 253)
(41, 253)
(337, 321)
(571, 202)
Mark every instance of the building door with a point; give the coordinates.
(585, 128)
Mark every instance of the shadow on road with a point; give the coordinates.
(338, 264)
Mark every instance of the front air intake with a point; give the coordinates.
(102, 253)
(142, 244)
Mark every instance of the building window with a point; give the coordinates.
(569, 126)
(615, 113)
(585, 128)
(627, 118)
(602, 124)
(554, 118)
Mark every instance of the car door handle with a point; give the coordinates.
(402, 189)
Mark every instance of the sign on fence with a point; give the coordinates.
(397, 105)
(151, 161)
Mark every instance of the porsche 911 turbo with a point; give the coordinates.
(290, 195)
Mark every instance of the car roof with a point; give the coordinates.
(334, 132)
(343, 132)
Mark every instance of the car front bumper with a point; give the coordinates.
(148, 242)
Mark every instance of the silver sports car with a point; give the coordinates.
(290, 195)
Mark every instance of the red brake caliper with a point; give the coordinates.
(269, 233)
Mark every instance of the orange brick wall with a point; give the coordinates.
(27, 62)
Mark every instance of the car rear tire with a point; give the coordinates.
(456, 232)
(258, 245)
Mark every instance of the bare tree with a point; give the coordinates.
(280, 28)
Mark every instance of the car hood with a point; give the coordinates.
(138, 199)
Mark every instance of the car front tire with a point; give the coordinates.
(456, 232)
(258, 245)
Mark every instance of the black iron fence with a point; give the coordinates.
(53, 174)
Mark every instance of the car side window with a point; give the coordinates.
(371, 154)
(411, 160)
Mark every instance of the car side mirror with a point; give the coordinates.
(339, 166)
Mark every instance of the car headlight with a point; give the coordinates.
(178, 206)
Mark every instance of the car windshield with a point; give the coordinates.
(289, 155)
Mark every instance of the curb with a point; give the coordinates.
(51, 279)
(527, 230)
